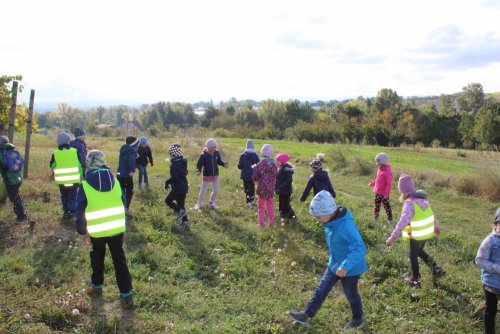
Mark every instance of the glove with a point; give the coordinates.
(167, 185)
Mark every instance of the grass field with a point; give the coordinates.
(226, 276)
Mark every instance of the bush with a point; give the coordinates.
(467, 184)
(436, 143)
(361, 167)
(489, 185)
(339, 157)
(461, 154)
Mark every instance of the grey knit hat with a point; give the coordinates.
(4, 139)
(96, 159)
(250, 145)
(322, 204)
(63, 138)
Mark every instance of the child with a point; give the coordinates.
(178, 181)
(79, 144)
(318, 181)
(284, 187)
(321, 157)
(417, 223)
(248, 159)
(209, 162)
(126, 169)
(11, 168)
(101, 217)
(265, 175)
(143, 155)
(347, 259)
(488, 259)
(67, 168)
(382, 186)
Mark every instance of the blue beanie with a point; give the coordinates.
(63, 138)
(322, 204)
(143, 141)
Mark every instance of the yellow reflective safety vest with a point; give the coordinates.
(105, 212)
(421, 226)
(68, 169)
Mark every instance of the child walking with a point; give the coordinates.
(143, 156)
(488, 259)
(209, 162)
(318, 181)
(382, 186)
(179, 184)
(80, 145)
(126, 169)
(346, 263)
(284, 187)
(248, 159)
(265, 175)
(418, 224)
(101, 218)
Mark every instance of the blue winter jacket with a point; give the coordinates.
(346, 247)
(100, 179)
(126, 162)
(209, 163)
(81, 147)
(143, 155)
(247, 160)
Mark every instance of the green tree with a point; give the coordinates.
(471, 99)
(6, 100)
(388, 99)
(487, 124)
(445, 106)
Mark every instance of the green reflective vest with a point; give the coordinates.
(68, 169)
(105, 212)
(421, 226)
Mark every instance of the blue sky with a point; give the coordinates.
(133, 52)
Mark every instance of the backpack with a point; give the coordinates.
(14, 165)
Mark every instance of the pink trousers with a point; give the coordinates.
(266, 204)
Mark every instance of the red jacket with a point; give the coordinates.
(383, 182)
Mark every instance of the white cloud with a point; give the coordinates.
(140, 52)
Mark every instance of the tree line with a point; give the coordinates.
(468, 119)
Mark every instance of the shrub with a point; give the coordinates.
(461, 154)
(467, 184)
(339, 156)
(436, 143)
(489, 185)
(361, 167)
(223, 133)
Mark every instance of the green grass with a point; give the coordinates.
(225, 276)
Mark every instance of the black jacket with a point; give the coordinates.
(284, 180)
(209, 163)
(318, 181)
(178, 176)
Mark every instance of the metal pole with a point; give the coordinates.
(12, 120)
(28, 134)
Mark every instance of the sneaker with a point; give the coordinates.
(412, 280)
(214, 206)
(21, 219)
(437, 271)
(355, 324)
(94, 290)
(139, 185)
(300, 318)
(390, 222)
(197, 206)
(127, 299)
(182, 213)
(249, 205)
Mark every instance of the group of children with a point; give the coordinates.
(101, 204)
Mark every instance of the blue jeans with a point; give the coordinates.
(143, 171)
(328, 281)
(68, 197)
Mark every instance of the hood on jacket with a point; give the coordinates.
(100, 179)
(271, 161)
(127, 149)
(341, 212)
(7, 146)
(321, 175)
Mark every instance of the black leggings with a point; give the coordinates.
(379, 199)
(490, 311)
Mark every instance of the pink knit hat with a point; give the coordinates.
(283, 158)
(405, 185)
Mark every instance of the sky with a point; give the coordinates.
(110, 52)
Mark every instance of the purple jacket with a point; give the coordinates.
(265, 174)
(407, 214)
(383, 183)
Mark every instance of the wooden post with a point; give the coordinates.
(28, 134)
(12, 120)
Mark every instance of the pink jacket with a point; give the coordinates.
(383, 182)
